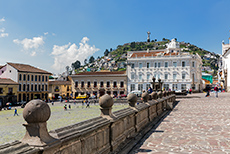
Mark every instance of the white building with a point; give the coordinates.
(225, 65)
(178, 70)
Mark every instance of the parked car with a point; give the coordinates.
(123, 95)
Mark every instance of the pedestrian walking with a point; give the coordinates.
(52, 102)
(87, 104)
(65, 107)
(69, 106)
(208, 91)
(15, 112)
(216, 91)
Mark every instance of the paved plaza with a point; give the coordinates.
(196, 125)
(11, 126)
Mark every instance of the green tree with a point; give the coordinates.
(76, 64)
(132, 45)
(106, 52)
(91, 59)
(85, 61)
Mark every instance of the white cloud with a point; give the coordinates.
(2, 33)
(3, 19)
(67, 54)
(46, 33)
(31, 44)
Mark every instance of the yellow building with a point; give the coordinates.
(59, 88)
(8, 92)
(33, 82)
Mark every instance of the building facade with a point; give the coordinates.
(59, 88)
(8, 92)
(32, 81)
(99, 83)
(177, 70)
(225, 78)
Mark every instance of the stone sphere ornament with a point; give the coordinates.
(106, 101)
(36, 111)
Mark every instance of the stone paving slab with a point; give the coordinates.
(197, 125)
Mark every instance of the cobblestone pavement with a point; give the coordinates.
(197, 125)
(11, 126)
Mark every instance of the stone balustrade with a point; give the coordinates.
(111, 132)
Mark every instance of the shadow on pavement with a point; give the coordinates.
(136, 148)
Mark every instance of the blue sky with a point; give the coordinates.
(51, 34)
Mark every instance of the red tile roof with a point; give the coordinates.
(1, 67)
(27, 68)
(102, 73)
(59, 82)
(7, 81)
(150, 54)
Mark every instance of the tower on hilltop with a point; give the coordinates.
(148, 39)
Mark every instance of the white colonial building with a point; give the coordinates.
(178, 70)
(225, 77)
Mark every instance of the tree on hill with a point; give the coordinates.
(85, 61)
(133, 44)
(106, 52)
(111, 49)
(76, 64)
(91, 59)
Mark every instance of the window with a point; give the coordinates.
(140, 87)
(67, 88)
(46, 78)
(28, 87)
(132, 65)
(140, 76)
(140, 65)
(193, 64)
(132, 87)
(88, 84)
(24, 77)
(193, 77)
(32, 87)
(36, 77)
(43, 87)
(183, 75)
(132, 76)
(101, 84)
(82, 84)
(183, 86)
(20, 87)
(174, 87)
(10, 91)
(43, 78)
(147, 86)
(39, 87)
(39, 78)
(28, 77)
(76, 84)
(122, 84)
(174, 76)
(148, 76)
(166, 76)
(174, 64)
(115, 84)
(1, 90)
(166, 64)
(108, 84)
(183, 64)
(24, 87)
(159, 64)
(36, 88)
(166, 86)
(46, 87)
(20, 77)
(155, 64)
(32, 78)
(148, 65)
(95, 84)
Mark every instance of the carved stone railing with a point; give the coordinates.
(111, 132)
